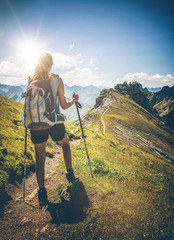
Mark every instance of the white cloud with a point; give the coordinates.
(92, 64)
(64, 63)
(8, 68)
(14, 80)
(146, 80)
(12, 74)
(82, 76)
(75, 72)
(72, 45)
(68, 67)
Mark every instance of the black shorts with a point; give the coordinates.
(56, 132)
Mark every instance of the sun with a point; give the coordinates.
(29, 50)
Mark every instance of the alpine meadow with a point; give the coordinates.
(131, 195)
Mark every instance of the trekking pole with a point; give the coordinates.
(78, 105)
(25, 157)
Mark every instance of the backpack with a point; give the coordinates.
(40, 109)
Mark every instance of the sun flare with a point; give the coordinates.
(29, 50)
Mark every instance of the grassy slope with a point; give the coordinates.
(127, 121)
(12, 134)
(132, 191)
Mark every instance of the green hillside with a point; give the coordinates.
(132, 191)
(12, 143)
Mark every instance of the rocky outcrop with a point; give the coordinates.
(160, 104)
(163, 102)
(169, 118)
(137, 93)
(105, 93)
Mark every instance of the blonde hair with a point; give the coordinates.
(45, 62)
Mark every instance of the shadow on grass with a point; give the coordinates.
(73, 206)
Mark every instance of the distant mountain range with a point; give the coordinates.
(13, 92)
(87, 97)
(87, 94)
(157, 89)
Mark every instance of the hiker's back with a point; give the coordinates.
(41, 103)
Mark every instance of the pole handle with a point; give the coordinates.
(78, 105)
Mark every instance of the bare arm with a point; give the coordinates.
(61, 93)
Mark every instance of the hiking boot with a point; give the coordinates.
(71, 177)
(42, 197)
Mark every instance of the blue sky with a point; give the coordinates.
(93, 42)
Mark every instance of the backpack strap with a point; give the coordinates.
(54, 83)
(57, 107)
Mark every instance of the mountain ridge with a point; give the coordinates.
(129, 122)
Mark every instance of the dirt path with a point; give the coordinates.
(27, 221)
(103, 115)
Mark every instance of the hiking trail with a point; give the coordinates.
(103, 123)
(25, 220)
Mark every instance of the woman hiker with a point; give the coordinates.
(57, 132)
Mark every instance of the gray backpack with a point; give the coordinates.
(40, 109)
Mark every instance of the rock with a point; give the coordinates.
(44, 229)
(32, 195)
(16, 122)
(25, 221)
(19, 198)
(37, 233)
(3, 150)
(10, 211)
(99, 100)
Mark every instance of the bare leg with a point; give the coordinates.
(40, 163)
(66, 152)
(68, 160)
